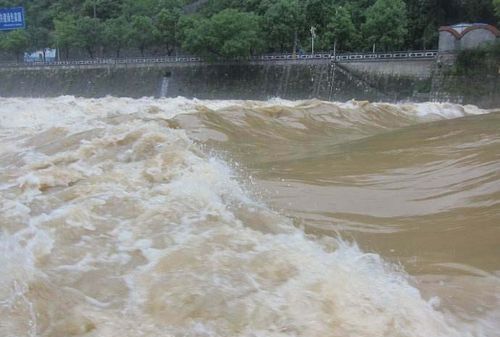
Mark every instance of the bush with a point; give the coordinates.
(484, 60)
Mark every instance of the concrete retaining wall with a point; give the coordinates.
(375, 81)
(418, 69)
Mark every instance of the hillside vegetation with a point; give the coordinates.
(233, 28)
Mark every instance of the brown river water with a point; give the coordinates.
(179, 217)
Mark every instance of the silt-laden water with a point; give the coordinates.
(178, 217)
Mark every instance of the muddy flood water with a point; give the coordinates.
(182, 217)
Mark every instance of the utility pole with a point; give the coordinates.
(295, 43)
(313, 36)
(95, 9)
(333, 69)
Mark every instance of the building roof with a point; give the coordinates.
(459, 30)
(460, 27)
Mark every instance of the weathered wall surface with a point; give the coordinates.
(230, 81)
(478, 88)
(396, 80)
(419, 69)
(477, 38)
(448, 42)
(377, 81)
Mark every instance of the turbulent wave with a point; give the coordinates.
(117, 220)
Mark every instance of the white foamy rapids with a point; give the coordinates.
(78, 112)
(446, 110)
(125, 227)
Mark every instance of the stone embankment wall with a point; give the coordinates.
(392, 81)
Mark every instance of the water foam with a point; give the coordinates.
(134, 230)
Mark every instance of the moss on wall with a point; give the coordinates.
(481, 61)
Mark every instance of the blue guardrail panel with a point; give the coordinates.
(12, 18)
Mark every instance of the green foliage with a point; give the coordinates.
(190, 31)
(78, 32)
(15, 42)
(104, 9)
(88, 33)
(341, 29)
(478, 10)
(233, 33)
(227, 34)
(166, 25)
(319, 12)
(99, 27)
(423, 24)
(116, 34)
(386, 24)
(481, 61)
(284, 21)
(496, 7)
(40, 37)
(145, 8)
(142, 34)
(65, 33)
(215, 6)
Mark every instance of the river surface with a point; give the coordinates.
(179, 217)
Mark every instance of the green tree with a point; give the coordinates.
(284, 23)
(423, 18)
(88, 34)
(61, 8)
(340, 30)
(358, 9)
(227, 34)
(142, 32)
(163, 24)
(147, 8)
(212, 7)
(40, 16)
(318, 13)
(15, 42)
(40, 38)
(116, 34)
(478, 11)
(386, 24)
(102, 9)
(65, 33)
(496, 6)
(429, 37)
(235, 33)
(166, 26)
(187, 31)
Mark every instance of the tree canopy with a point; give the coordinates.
(227, 34)
(15, 42)
(386, 24)
(284, 21)
(116, 34)
(234, 28)
(496, 4)
(340, 30)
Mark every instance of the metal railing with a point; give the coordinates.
(349, 57)
(106, 61)
(426, 54)
(285, 57)
(353, 57)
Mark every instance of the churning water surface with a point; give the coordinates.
(178, 217)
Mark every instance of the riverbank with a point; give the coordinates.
(392, 81)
